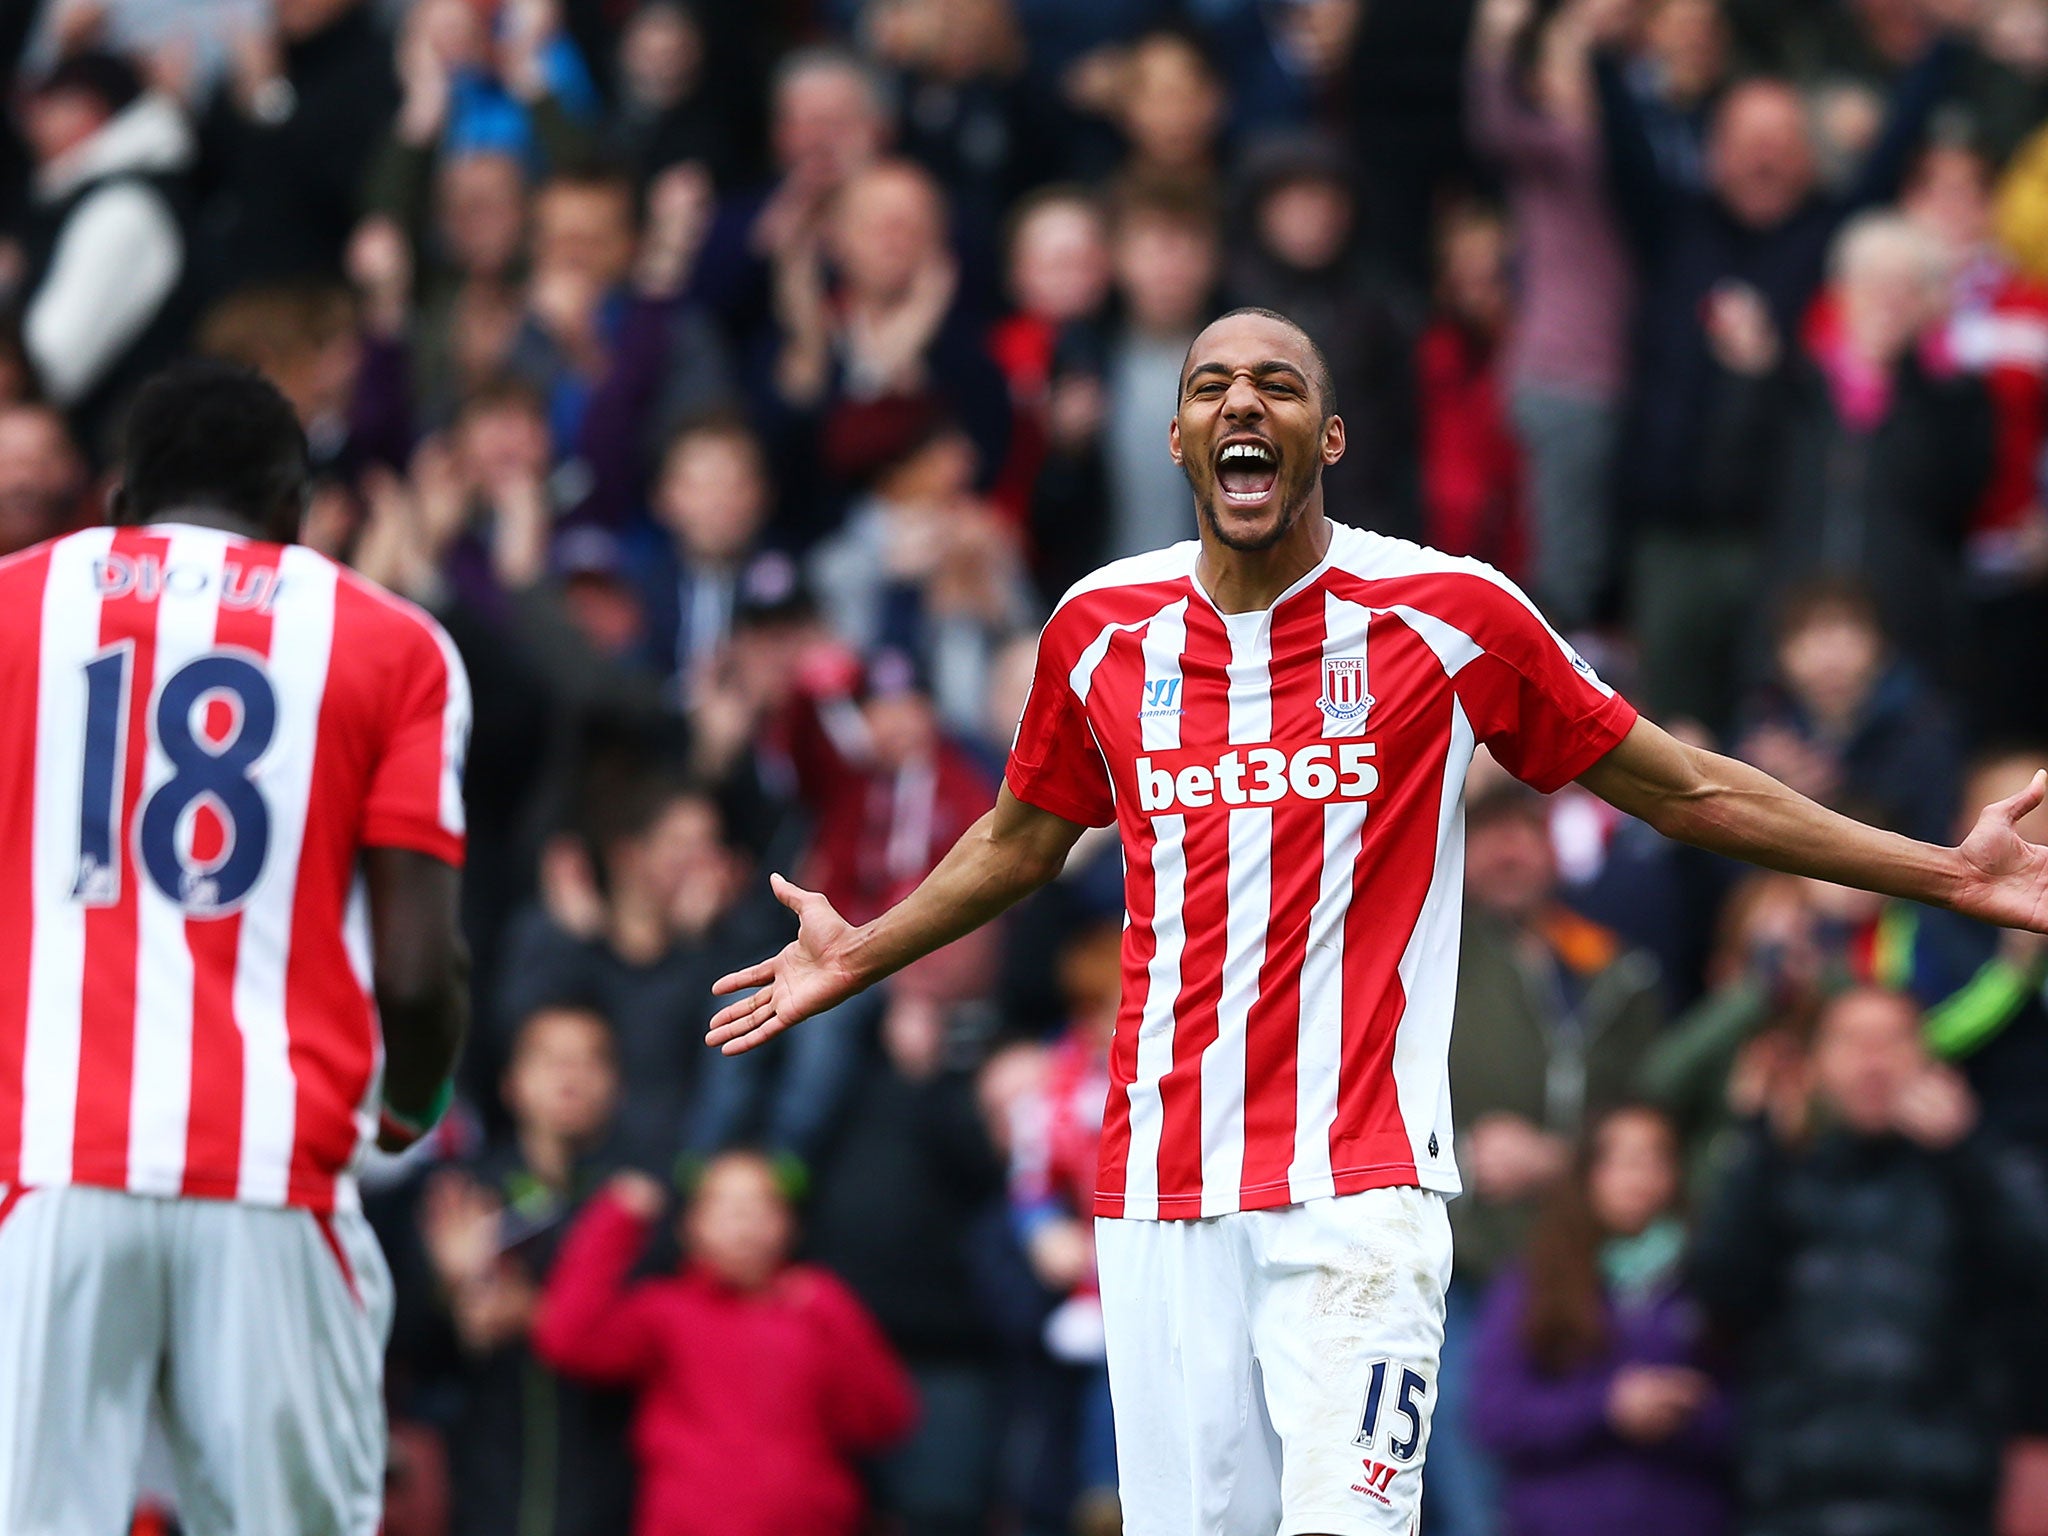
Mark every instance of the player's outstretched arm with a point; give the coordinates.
(421, 976)
(1001, 859)
(1728, 807)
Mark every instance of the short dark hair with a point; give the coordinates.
(718, 423)
(624, 800)
(503, 392)
(207, 433)
(594, 174)
(556, 1005)
(1318, 364)
(1506, 800)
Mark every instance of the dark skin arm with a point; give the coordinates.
(1001, 859)
(1728, 807)
(421, 972)
(1686, 793)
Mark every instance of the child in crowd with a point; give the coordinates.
(528, 1450)
(1587, 1383)
(761, 1383)
(1845, 720)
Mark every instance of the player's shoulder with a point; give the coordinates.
(1461, 606)
(381, 616)
(1381, 556)
(32, 565)
(26, 574)
(390, 653)
(1422, 577)
(1130, 583)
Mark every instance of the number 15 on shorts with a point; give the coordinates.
(1406, 1412)
(1396, 1398)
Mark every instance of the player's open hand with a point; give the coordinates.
(807, 977)
(2005, 877)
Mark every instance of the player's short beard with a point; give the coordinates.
(1293, 503)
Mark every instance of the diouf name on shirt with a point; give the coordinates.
(146, 578)
(1195, 780)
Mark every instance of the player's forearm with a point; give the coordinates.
(1734, 809)
(980, 878)
(424, 1026)
(421, 979)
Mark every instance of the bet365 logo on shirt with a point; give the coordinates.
(1321, 770)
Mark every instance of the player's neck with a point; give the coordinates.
(207, 517)
(1246, 580)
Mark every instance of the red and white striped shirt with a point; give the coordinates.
(203, 732)
(1288, 788)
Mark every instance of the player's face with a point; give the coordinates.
(1251, 435)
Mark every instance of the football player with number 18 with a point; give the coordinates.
(230, 847)
(1278, 716)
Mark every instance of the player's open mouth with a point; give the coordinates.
(1247, 469)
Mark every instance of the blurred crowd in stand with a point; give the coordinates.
(741, 382)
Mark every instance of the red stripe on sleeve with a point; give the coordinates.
(404, 720)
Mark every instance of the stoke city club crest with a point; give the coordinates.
(1344, 696)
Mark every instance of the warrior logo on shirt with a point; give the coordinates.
(1344, 696)
(1162, 697)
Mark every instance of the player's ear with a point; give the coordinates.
(1333, 439)
(1173, 438)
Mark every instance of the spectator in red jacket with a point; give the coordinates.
(1471, 463)
(761, 1382)
(1058, 278)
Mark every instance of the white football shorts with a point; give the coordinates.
(254, 1335)
(1274, 1371)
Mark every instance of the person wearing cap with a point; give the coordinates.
(103, 244)
(600, 598)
